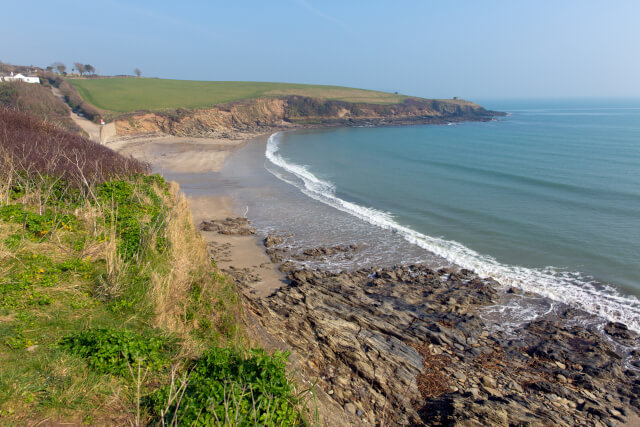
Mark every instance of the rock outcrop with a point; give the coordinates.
(405, 346)
(231, 226)
(266, 114)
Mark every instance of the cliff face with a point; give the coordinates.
(294, 111)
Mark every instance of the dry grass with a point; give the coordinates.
(188, 253)
(190, 283)
(109, 287)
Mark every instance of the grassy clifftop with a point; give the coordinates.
(111, 312)
(132, 94)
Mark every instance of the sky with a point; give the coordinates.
(472, 49)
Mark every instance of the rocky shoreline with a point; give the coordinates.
(263, 115)
(405, 345)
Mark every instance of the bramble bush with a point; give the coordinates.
(225, 387)
(113, 351)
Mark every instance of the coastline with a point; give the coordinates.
(354, 352)
(238, 254)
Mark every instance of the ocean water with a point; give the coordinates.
(546, 199)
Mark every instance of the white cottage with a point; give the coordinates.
(20, 77)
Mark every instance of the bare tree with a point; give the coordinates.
(138, 72)
(60, 67)
(90, 69)
(80, 68)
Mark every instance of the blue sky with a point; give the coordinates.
(473, 49)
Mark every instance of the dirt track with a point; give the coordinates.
(92, 129)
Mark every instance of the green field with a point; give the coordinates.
(132, 94)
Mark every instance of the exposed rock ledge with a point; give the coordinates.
(405, 346)
(266, 114)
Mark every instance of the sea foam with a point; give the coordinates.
(568, 287)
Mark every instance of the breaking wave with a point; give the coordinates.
(568, 287)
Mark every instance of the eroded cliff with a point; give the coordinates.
(295, 111)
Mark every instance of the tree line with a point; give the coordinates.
(80, 68)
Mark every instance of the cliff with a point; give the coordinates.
(103, 274)
(295, 111)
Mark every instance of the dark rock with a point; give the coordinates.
(618, 330)
(231, 226)
(323, 252)
(272, 240)
(408, 341)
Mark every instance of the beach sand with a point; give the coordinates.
(180, 154)
(233, 252)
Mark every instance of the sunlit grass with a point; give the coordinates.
(132, 94)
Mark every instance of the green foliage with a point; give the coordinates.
(37, 225)
(50, 289)
(30, 273)
(226, 387)
(113, 351)
(16, 338)
(205, 303)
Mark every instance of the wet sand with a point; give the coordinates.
(235, 254)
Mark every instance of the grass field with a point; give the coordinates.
(131, 94)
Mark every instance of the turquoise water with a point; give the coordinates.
(547, 199)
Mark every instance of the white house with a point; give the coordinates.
(20, 77)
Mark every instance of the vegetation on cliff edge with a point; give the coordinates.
(110, 310)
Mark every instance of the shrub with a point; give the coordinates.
(114, 351)
(226, 388)
(39, 101)
(35, 149)
(76, 102)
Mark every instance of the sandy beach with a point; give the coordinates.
(180, 154)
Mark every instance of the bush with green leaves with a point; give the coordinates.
(115, 351)
(225, 387)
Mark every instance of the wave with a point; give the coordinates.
(567, 287)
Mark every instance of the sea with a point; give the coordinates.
(545, 200)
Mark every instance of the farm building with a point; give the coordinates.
(20, 77)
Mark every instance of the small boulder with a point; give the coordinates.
(272, 240)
